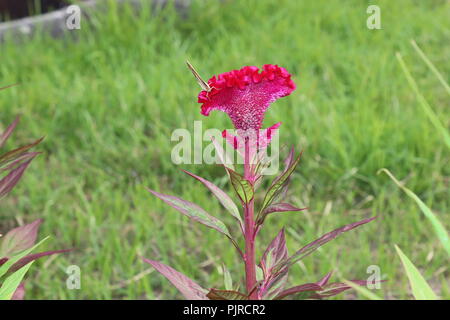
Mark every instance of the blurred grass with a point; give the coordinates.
(109, 95)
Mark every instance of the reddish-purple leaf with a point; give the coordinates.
(193, 211)
(13, 154)
(277, 207)
(336, 288)
(224, 199)
(8, 182)
(14, 163)
(325, 279)
(215, 294)
(307, 287)
(19, 239)
(309, 248)
(5, 135)
(31, 257)
(275, 252)
(187, 287)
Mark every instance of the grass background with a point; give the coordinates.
(107, 98)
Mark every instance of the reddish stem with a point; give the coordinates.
(249, 228)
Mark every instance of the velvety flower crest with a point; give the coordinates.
(246, 94)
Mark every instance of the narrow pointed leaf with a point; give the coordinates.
(275, 252)
(363, 291)
(438, 227)
(243, 187)
(9, 182)
(307, 287)
(325, 279)
(193, 211)
(5, 135)
(336, 288)
(188, 288)
(4, 268)
(10, 285)
(309, 248)
(14, 163)
(277, 207)
(215, 294)
(277, 185)
(224, 199)
(19, 239)
(420, 288)
(11, 155)
(34, 256)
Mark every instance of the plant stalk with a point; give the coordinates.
(250, 265)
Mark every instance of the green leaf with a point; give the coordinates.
(243, 187)
(5, 267)
(438, 227)
(277, 186)
(361, 290)
(428, 110)
(420, 288)
(10, 285)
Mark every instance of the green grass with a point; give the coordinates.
(107, 98)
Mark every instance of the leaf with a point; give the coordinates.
(215, 294)
(361, 290)
(420, 288)
(277, 207)
(325, 279)
(311, 247)
(9, 182)
(193, 211)
(275, 252)
(14, 163)
(13, 154)
(428, 110)
(31, 257)
(188, 288)
(5, 135)
(243, 187)
(19, 238)
(224, 199)
(307, 287)
(277, 185)
(335, 288)
(431, 66)
(438, 227)
(228, 282)
(4, 268)
(11, 283)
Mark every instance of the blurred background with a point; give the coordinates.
(108, 96)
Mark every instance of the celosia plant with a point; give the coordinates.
(245, 95)
(16, 246)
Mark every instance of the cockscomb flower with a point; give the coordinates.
(246, 94)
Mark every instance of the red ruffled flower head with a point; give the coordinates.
(246, 94)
